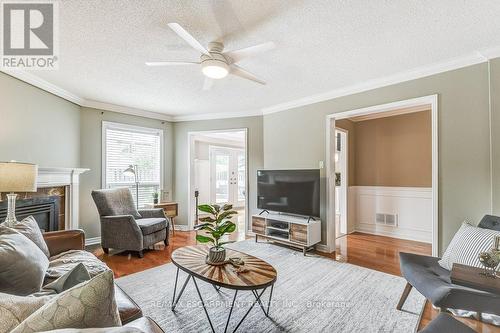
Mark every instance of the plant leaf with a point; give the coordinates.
(227, 207)
(199, 226)
(207, 219)
(216, 208)
(227, 227)
(207, 209)
(204, 226)
(226, 242)
(226, 215)
(204, 239)
(208, 228)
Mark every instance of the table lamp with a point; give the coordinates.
(16, 177)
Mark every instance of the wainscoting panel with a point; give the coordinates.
(408, 208)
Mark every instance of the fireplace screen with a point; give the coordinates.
(45, 211)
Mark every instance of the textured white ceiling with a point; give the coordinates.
(321, 46)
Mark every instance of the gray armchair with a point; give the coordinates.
(123, 227)
(433, 281)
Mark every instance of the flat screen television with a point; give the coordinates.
(289, 191)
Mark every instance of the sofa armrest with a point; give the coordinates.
(154, 212)
(64, 240)
(145, 324)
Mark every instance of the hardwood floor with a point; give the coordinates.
(375, 252)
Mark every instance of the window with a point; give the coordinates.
(125, 145)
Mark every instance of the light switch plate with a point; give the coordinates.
(321, 164)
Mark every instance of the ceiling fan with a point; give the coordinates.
(216, 64)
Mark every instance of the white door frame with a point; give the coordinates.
(431, 100)
(190, 193)
(233, 151)
(344, 180)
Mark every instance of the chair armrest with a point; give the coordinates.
(120, 230)
(154, 212)
(64, 240)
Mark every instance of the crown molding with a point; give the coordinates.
(413, 74)
(44, 85)
(126, 110)
(220, 115)
(476, 57)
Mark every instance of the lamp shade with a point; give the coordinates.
(18, 177)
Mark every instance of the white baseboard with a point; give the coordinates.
(92, 241)
(323, 248)
(181, 227)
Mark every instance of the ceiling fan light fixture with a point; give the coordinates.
(214, 69)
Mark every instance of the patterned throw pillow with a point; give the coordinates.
(89, 304)
(466, 245)
(14, 309)
(29, 228)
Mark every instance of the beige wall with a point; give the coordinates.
(394, 151)
(36, 126)
(464, 140)
(91, 157)
(495, 138)
(255, 156)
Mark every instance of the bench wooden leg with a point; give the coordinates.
(404, 296)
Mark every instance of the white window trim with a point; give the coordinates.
(149, 130)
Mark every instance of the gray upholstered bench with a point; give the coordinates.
(433, 281)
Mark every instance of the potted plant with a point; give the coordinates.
(155, 197)
(216, 225)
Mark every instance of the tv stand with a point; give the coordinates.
(294, 231)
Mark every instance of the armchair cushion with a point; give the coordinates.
(116, 201)
(151, 225)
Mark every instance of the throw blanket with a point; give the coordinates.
(64, 262)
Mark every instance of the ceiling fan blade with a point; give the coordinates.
(208, 83)
(250, 51)
(170, 63)
(238, 71)
(188, 38)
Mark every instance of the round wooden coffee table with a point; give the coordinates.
(257, 276)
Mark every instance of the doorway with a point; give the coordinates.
(218, 173)
(384, 214)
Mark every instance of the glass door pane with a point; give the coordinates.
(241, 191)
(221, 161)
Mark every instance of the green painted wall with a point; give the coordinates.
(36, 126)
(91, 157)
(296, 139)
(255, 153)
(495, 137)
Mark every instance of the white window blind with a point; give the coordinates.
(126, 145)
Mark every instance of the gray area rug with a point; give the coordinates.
(312, 294)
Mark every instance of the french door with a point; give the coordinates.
(227, 176)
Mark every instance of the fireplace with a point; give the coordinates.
(56, 199)
(45, 210)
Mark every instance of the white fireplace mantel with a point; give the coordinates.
(70, 178)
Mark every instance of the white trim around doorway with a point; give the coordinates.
(190, 194)
(432, 101)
